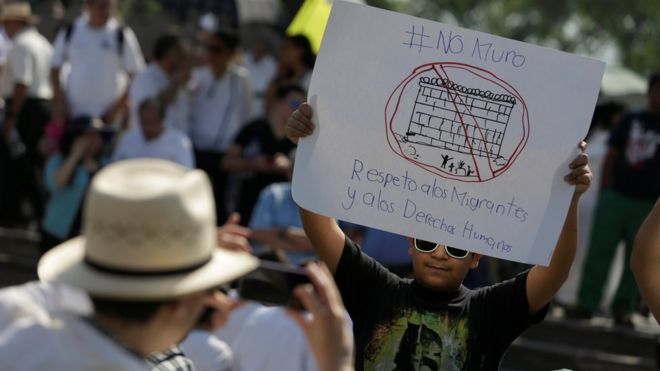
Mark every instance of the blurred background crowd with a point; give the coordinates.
(209, 84)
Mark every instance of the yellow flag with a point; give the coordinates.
(310, 21)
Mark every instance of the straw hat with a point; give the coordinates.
(18, 11)
(149, 234)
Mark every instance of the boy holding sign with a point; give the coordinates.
(432, 321)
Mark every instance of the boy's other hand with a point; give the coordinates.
(300, 125)
(580, 175)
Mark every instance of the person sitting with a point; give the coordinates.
(260, 150)
(276, 224)
(67, 177)
(433, 320)
(155, 140)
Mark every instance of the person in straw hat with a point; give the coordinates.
(27, 91)
(148, 261)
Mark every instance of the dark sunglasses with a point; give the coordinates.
(429, 247)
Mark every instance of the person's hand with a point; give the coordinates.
(300, 125)
(580, 175)
(221, 307)
(327, 331)
(232, 236)
(281, 163)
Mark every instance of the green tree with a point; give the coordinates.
(582, 26)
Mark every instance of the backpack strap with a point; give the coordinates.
(120, 40)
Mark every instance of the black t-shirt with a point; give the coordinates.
(400, 325)
(637, 166)
(257, 139)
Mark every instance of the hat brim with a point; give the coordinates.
(65, 264)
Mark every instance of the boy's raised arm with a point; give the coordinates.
(324, 233)
(544, 282)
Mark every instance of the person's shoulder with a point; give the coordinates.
(502, 287)
(207, 351)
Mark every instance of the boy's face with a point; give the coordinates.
(440, 272)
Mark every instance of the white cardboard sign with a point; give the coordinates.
(443, 133)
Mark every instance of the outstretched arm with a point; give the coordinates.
(645, 262)
(544, 282)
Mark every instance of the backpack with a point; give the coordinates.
(68, 33)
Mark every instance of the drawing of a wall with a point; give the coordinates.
(457, 118)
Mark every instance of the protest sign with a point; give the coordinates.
(443, 133)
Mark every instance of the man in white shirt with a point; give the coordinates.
(103, 55)
(164, 78)
(154, 139)
(220, 106)
(262, 68)
(28, 94)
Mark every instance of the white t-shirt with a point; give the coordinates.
(219, 107)
(149, 83)
(207, 352)
(265, 338)
(5, 43)
(98, 75)
(42, 327)
(28, 63)
(261, 75)
(171, 145)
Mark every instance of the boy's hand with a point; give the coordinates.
(580, 175)
(300, 125)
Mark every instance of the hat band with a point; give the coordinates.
(133, 273)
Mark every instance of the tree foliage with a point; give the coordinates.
(632, 27)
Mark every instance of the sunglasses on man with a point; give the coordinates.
(429, 247)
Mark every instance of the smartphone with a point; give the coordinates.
(272, 284)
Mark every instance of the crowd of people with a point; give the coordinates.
(90, 100)
(135, 172)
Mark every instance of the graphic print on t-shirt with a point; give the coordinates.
(418, 340)
(641, 145)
